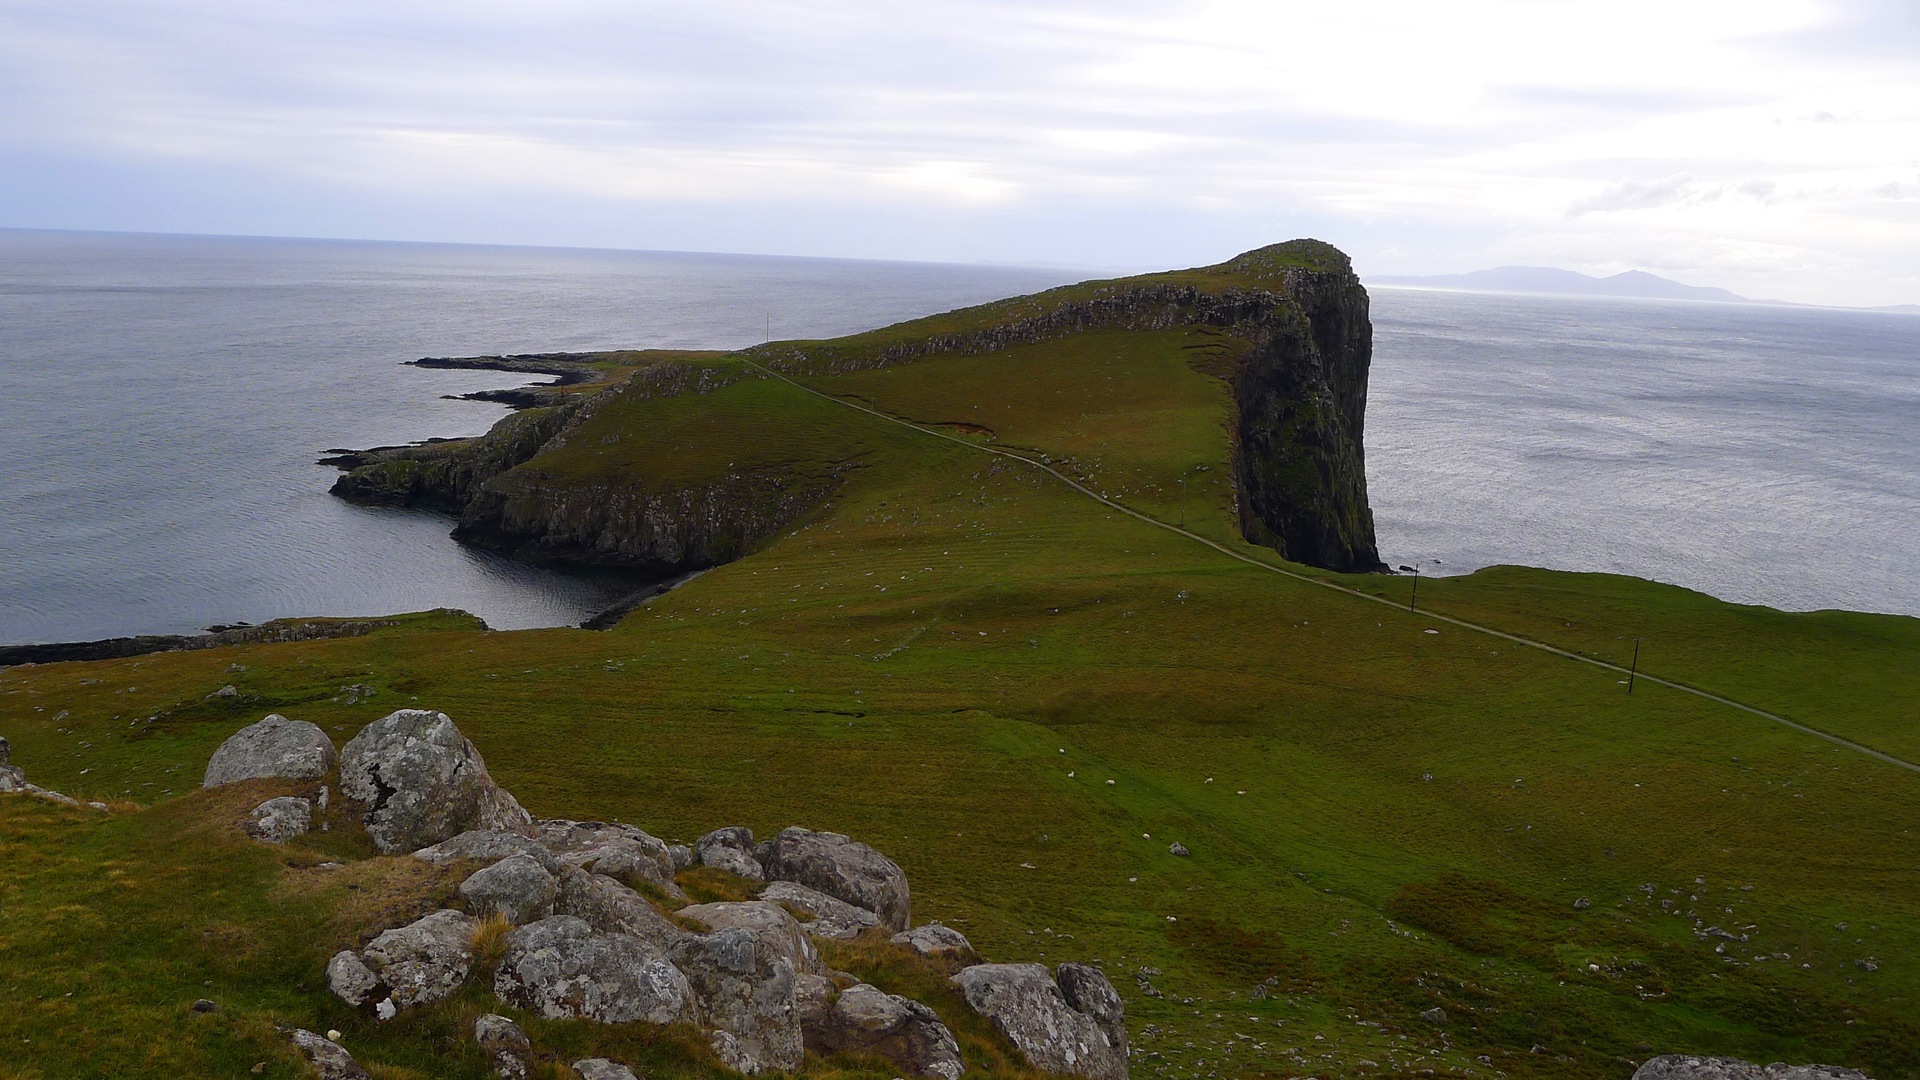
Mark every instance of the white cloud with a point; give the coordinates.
(1423, 136)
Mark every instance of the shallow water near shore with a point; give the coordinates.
(163, 401)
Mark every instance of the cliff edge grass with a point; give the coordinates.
(713, 458)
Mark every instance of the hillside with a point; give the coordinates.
(1546, 279)
(1000, 617)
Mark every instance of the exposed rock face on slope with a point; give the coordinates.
(1299, 389)
(1687, 1067)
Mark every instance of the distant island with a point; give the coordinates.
(1547, 279)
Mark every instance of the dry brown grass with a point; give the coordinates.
(489, 942)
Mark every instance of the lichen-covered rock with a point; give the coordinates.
(612, 908)
(821, 915)
(1027, 1006)
(517, 887)
(350, 979)
(12, 779)
(488, 846)
(744, 991)
(329, 1059)
(422, 962)
(1089, 993)
(730, 849)
(867, 1020)
(940, 942)
(560, 967)
(277, 821)
(1687, 1067)
(417, 781)
(505, 1044)
(602, 1069)
(619, 851)
(682, 857)
(274, 748)
(843, 869)
(768, 922)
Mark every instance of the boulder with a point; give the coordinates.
(418, 781)
(329, 1059)
(350, 979)
(488, 846)
(812, 1003)
(602, 1069)
(940, 942)
(560, 967)
(682, 857)
(277, 821)
(422, 962)
(612, 908)
(12, 778)
(866, 1020)
(274, 748)
(1090, 994)
(1026, 1005)
(505, 1044)
(744, 992)
(730, 849)
(517, 887)
(849, 871)
(1687, 1067)
(768, 922)
(618, 851)
(821, 915)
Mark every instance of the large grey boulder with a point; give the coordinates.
(1028, 1007)
(277, 821)
(329, 1059)
(939, 942)
(517, 887)
(488, 846)
(274, 748)
(821, 915)
(602, 1069)
(1090, 994)
(418, 781)
(618, 851)
(1687, 1067)
(867, 1020)
(768, 922)
(835, 865)
(417, 964)
(744, 991)
(561, 967)
(612, 908)
(730, 849)
(505, 1044)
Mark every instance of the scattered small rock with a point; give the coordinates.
(329, 1059)
(505, 1044)
(1177, 848)
(277, 821)
(1582, 904)
(1687, 1067)
(602, 1069)
(1436, 1016)
(204, 1005)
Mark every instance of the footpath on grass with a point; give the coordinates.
(1433, 616)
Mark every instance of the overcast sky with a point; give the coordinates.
(1767, 146)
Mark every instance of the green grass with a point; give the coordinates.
(954, 657)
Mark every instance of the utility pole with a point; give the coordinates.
(1633, 671)
(769, 336)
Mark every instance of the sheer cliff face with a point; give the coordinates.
(1299, 387)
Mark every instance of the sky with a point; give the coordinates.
(1771, 147)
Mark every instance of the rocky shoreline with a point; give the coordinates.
(295, 629)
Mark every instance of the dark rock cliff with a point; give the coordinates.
(1299, 387)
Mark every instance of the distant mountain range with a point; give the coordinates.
(1546, 279)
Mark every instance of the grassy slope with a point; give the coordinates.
(954, 658)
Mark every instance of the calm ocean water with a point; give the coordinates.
(163, 399)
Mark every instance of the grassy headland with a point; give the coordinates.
(1023, 697)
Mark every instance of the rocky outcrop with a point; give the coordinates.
(516, 888)
(866, 1020)
(488, 846)
(277, 821)
(505, 1044)
(603, 1069)
(938, 942)
(841, 868)
(274, 748)
(560, 967)
(328, 1059)
(1033, 1011)
(821, 915)
(1687, 1067)
(11, 777)
(746, 998)
(766, 921)
(610, 907)
(618, 851)
(417, 781)
(416, 964)
(730, 849)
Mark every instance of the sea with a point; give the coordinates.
(164, 401)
